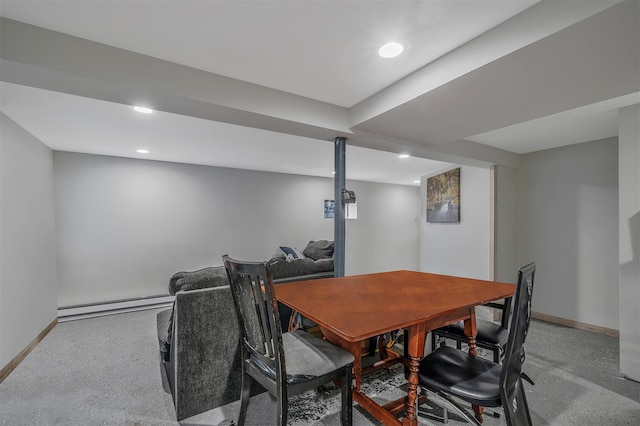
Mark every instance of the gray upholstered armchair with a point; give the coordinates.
(199, 342)
(199, 336)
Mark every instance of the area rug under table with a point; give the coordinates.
(309, 407)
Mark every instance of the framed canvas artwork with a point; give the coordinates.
(443, 197)
(329, 209)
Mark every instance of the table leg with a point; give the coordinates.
(356, 350)
(382, 348)
(471, 330)
(415, 352)
(410, 417)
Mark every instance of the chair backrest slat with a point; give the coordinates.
(261, 304)
(253, 293)
(512, 393)
(505, 307)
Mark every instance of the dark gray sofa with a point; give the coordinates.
(285, 271)
(199, 336)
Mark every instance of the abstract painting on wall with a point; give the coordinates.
(443, 197)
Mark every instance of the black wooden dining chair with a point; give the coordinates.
(490, 336)
(451, 372)
(286, 364)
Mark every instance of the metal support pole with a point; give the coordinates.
(339, 218)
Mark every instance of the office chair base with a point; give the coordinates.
(526, 377)
(448, 402)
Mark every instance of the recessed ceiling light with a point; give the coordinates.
(416, 181)
(391, 50)
(142, 109)
(142, 151)
(404, 156)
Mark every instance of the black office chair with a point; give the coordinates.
(451, 372)
(286, 364)
(490, 336)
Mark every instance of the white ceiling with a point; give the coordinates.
(515, 75)
(79, 124)
(323, 50)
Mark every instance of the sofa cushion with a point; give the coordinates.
(298, 267)
(203, 278)
(321, 249)
(292, 253)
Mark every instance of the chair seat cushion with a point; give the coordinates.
(488, 332)
(307, 357)
(473, 379)
(310, 356)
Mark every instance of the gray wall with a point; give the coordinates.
(27, 239)
(559, 209)
(464, 248)
(385, 236)
(125, 226)
(629, 241)
(567, 210)
(505, 224)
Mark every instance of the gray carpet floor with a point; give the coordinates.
(105, 371)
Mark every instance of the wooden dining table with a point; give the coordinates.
(350, 310)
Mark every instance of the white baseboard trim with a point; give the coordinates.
(70, 313)
(576, 324)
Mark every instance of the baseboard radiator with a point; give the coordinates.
(90, 310)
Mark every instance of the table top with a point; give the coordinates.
(361, 306)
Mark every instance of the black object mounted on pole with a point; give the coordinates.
(348, 197)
